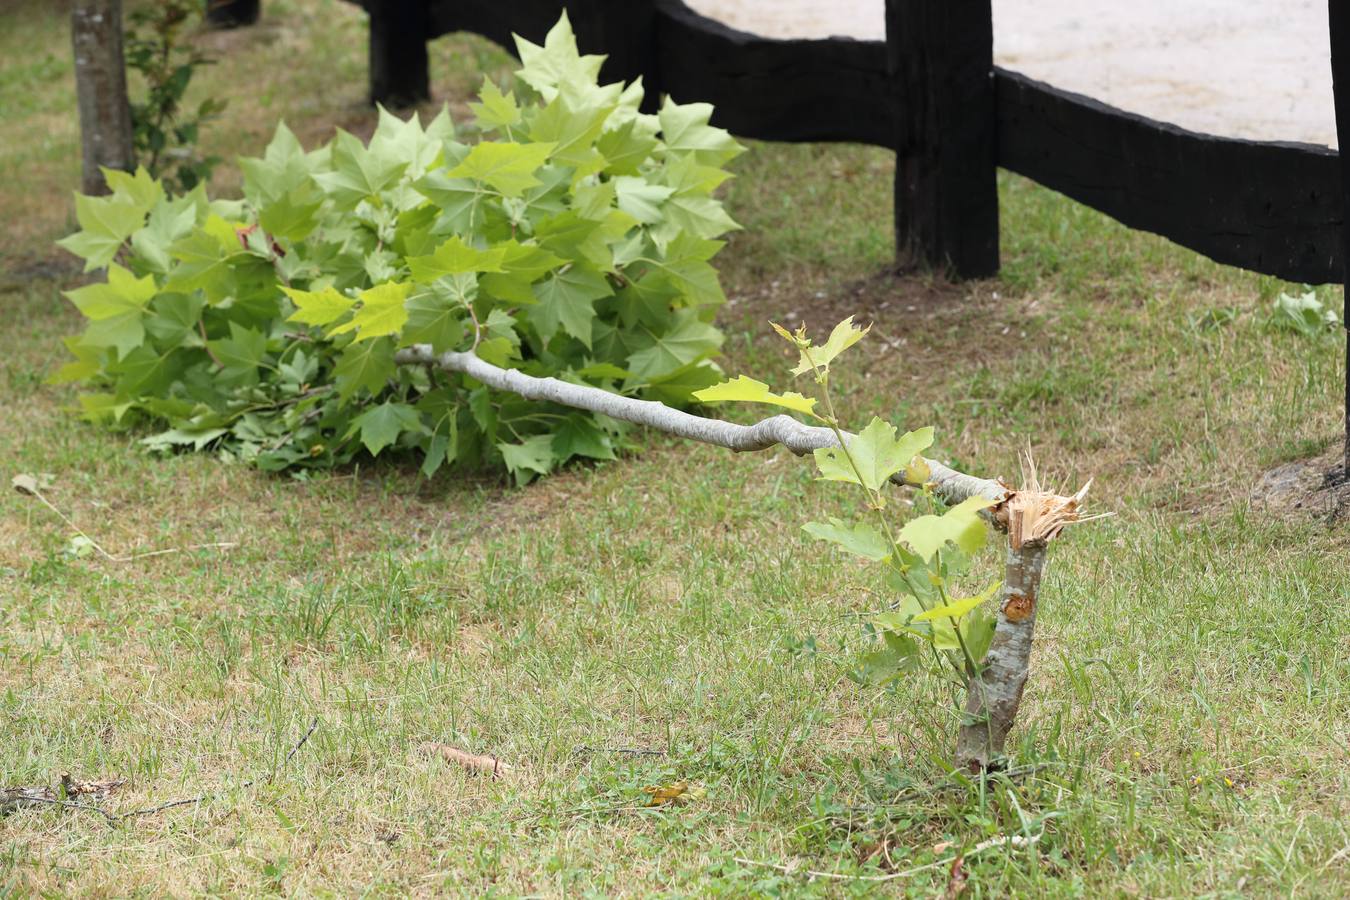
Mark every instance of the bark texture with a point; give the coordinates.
(993, 698)
(951, 485)
(101, 89)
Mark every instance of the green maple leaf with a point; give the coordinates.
(170, 221)
(145, 370)
(317, 307)
(961, 525)
(844, 335)
(579, 436)
(105, 224)
(292, 215)
(87, 363)
(627, 147)
(505, 166)
(381, 425)
(685, 128)
(283, 168)
(522, 265)
(700, 216)
(495, 109)
(365, 364)
(532, 456)
(358, 173)
(752, 391)
(454, 257)
(861, 539)
(557, 62)
(204, 258)
(686, 269)
(115, 309)
(567, 298)
(461, 201)
(876, 453)
(406, 141)
(571, 122)
(382, 312)
(689, 339)
(139, 187)
(241, 353)
(173, 320)
(959, 607)
(436, 314)
(641, 200)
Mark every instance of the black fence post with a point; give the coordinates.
(941, 64)
(232, 13)
(399, 72)
(1339, 18)
(625, 32)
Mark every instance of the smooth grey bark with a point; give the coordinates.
(951, 485)
(101, 90)
(992, 699)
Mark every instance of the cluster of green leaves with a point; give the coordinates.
(164, 136)
(920, 561)
(572, 240)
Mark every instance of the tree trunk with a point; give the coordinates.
(399, 69)
(941, 55)
(101, 89)
(993, 698)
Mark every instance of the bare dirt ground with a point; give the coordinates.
(1248, 68)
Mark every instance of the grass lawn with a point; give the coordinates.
(1186, 730)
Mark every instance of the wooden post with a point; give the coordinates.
(626, 34)
(399, 71)
(232, 13)
(1339, 18)
(101, 90)
(941, 55)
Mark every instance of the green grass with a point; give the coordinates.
(1184, 731)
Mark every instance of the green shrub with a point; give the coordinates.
(572, 240)
(164, 133)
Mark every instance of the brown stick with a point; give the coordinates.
(101, 89)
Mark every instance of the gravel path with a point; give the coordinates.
(1248, 68)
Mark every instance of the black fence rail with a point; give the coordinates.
(926, 92)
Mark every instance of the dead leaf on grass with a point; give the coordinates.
(675, 792)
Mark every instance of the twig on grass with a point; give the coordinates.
(629, 751)
(28, 486)
(29, 796)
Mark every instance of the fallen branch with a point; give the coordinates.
(473, 762)
(800, 439)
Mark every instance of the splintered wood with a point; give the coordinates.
(1036, 515)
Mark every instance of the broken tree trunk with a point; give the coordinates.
(101, 89)
(1035, 517)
